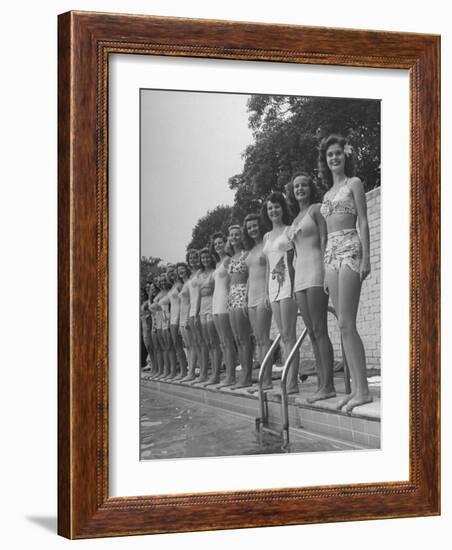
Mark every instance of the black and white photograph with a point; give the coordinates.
(259, 274)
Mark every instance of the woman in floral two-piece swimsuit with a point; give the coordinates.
(237, 305)
(347, 254)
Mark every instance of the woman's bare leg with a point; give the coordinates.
(226, 336)
(332, 287)
(285, 312)
(303, 307)
(215, 353)
(172, 366)
(260, 319)
(158, 367)
(242, 335)
(180, 354)
(349, 294)
(203, 351)
(313, 305)
(192, 351)
(165, 362)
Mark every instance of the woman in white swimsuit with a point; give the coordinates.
(194, 264)
(183, 273)
(176, 349)
(347, 254)
(220, 307)
(156, 328)
(279, 252)
(237, 305)
(206, 289)
(308, 234)
(259, 311)
(161, 308)
(145, 317)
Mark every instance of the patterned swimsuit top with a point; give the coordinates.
(343, 202)
(238, 265)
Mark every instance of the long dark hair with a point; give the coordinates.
(276, 197)
(216, 235)
(247, 240)
(187, 269)
(206, 250)
(229, 248)
(189, 252)
(324, 171)
(314, 195)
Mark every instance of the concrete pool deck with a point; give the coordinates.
(174, 427)
(361, 427)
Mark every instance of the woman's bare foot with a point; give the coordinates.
(212, 380)
(358, 400)
(244, 383)
(320, 395)
(345, 400)
(188, 378)
(226, 383)
(199, 380)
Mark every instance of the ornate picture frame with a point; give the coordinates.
(86, 40)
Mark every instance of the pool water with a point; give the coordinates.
(172, 427)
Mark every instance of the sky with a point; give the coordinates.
(191, 144)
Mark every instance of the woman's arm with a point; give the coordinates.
(321, 226)
(359, 195)
(198, 297)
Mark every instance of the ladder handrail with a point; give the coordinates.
(284, 399)
(268, 361)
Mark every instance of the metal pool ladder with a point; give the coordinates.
(262, 421)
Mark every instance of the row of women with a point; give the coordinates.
(223, 294)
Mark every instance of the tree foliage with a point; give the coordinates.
(149, 267)
(218, 219)
(287, 132)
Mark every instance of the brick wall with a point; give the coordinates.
(369, 305)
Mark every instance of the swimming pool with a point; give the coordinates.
(173, 427)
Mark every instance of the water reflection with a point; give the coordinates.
(174, 428)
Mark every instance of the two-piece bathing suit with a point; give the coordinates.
(279, 282)
(237, 294)
(344, 246)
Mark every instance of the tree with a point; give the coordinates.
(148, 269)
(218, 219)
(287, 132)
